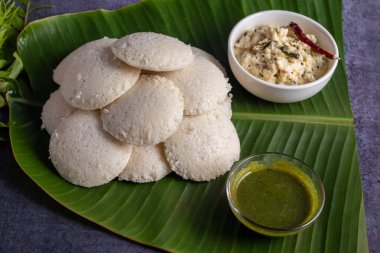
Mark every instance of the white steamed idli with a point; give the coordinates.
(59, 71)
(153, 51)
(94, 77)
(147, 114)
(202, 84)
(201, 53)
(54, 110)
(224, 108)
(84, 154)
(147, 164)
(203, 148)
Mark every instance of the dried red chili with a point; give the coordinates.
(302, 37)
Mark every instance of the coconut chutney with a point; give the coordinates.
(274, 54)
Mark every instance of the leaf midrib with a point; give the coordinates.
(313, 119)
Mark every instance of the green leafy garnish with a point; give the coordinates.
(29, 8)
(262, 45)
(11, 24)
(9, 124)
(266, 44)
(289, 53)
(13, 19)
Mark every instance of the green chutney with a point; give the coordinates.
(278, 197)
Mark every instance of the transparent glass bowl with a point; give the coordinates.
(268, 159)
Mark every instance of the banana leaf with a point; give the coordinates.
(182, 216)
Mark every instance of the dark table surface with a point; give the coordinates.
(30, 221)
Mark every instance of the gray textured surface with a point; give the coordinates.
(362, 50)
(30, 221)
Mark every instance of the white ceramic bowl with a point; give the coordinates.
(281, 93)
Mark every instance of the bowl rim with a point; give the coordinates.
(284, 86)
(236, 210)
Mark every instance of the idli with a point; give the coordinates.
(153, 51)
(147, 114)
(147, 164)
(203, 148)
(84, 154)
(94, 77)
(59, 71)
(201, 53)
(54, 110)
(202, 84)
(224, 108)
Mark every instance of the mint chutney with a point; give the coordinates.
(275, 197)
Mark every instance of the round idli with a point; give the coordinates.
(147, 114)
(54, 110)
(147, 164)
(201, 53)
(94, 77)
(153, 51)
(84, 154)
(202, 84)
(203, 148)
(59, 71)
(224, 108)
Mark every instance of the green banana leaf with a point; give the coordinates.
(184, 216)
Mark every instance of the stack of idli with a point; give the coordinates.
(138, 108)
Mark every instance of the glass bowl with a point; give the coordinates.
(274, 194)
